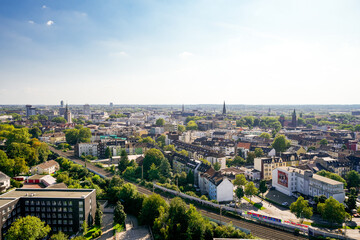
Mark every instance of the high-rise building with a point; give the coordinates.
(62, 103)
(111, 104)
(30, 110)
(87, 109)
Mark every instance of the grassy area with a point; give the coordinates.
(257, 205)
(93, 231)
(118, 228)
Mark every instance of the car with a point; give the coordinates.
(285, 204)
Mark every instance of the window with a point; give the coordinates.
(81, 203)
(70, 222)
(81, 215)
(26, 208)
(65, 221)
(38, 209)
(26, 202)
(59, 215)
(54, 222)
(59, 221)
(32, 209)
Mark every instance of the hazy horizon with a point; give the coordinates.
(154, 52)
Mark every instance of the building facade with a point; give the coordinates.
(290, 180)
(63, 209)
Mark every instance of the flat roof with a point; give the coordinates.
(314, 176)
(48, 193)
(5, 201)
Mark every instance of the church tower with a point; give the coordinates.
(67, 114)
(293, 119)
(183, 108)
(224, 109)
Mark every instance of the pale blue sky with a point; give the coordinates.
(174, 52)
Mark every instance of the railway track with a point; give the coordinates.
(260, 231)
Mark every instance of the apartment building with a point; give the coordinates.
(63, 209)
(267, 164)
(290, 180)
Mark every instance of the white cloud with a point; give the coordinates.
(185, 55)
(50, 22)
(31, 22)
(44, 6)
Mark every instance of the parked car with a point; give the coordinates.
(285, 204)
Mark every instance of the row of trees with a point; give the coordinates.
(330, 209)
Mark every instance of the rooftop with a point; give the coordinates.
(47, 193)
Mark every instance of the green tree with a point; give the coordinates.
(160, 122)
(330, 175)
(43, 117)
(169, 148)
(309, 126)
(332, 211)
(280, 143)
(124, 161)
(239, 192)
(217, 166)
(147, 140)
(191, 125)
(353, 179)
(78, 135)
(250, 158)
(323, 142)
(20, 166)
(190, 177)
(27, 228)
(181, 128)
(259, 152)
(265, 135)
(153, 173)
(240, 180)
(98, 216)
(351, 200)
(59, 120)
(119, 214)
(301, 208)
(150, 209)
(59, 236)
(250, 190)
(262, 187)
(164, 168)
(35, 132)
(161, 141)
(6, 165)
(152, 156)
(108, 153)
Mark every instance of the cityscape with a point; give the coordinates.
(156, 120)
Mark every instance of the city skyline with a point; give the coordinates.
(191, 52)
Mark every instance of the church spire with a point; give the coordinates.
(224, 109)
(183, 108)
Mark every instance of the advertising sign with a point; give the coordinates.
(282, 178)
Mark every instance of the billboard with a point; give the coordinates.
(283, 178)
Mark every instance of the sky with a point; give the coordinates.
(179, 52)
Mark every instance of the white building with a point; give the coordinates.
(86, 149)
(48, 167)
(4, 182)
(217, 186)
(290, 180)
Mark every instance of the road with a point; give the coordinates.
(257, 230)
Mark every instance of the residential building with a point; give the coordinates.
(199, 153)
(30, 110)
(48, 167)
(4, 182)
(290, 180)
(53, 138)
(63, 209)
(217, 186)
(86, 149)
(267, 164)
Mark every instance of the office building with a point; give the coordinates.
(63, 209)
